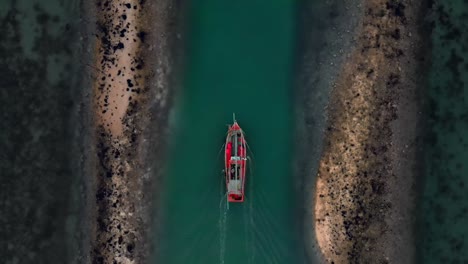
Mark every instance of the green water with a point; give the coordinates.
(443, 221)
(239, 59)
(39, 77)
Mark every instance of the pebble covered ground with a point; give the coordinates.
(365, 159)
(326, 32)
(130, 91)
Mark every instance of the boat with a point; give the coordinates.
(235, 162)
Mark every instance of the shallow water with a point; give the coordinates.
(240, 57)
(443, 221)
(38, 79)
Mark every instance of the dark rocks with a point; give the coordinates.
(360, 163)
(141, 35)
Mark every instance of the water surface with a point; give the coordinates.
(239, 60)
(443, 221)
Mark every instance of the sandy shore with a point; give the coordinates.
(363, 198)
(132, 59)
(322, 52)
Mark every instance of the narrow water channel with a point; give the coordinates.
(239, 60)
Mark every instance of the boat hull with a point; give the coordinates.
(235, 163)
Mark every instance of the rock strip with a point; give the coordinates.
(355, 188)
(131, 82)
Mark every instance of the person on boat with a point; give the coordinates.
(228, 150)
(233, 171)
(241, 150)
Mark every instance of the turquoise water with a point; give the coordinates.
(239, 59)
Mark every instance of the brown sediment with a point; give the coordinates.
(132, 62)
(363, 195)
(118, 57)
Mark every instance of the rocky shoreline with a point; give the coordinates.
(364, 190)
(132, 64)
(321, 53)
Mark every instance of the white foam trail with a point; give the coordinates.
(223, 209)
(248, 230)
(250, 217)
(222, 221)
(245, 212)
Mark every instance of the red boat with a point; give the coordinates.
(235, 163)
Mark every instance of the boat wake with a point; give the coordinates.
(249, 219)
(222, 223)
(248, 214)
(223, 210)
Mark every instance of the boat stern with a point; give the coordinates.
(235, 191)
(235, 198)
